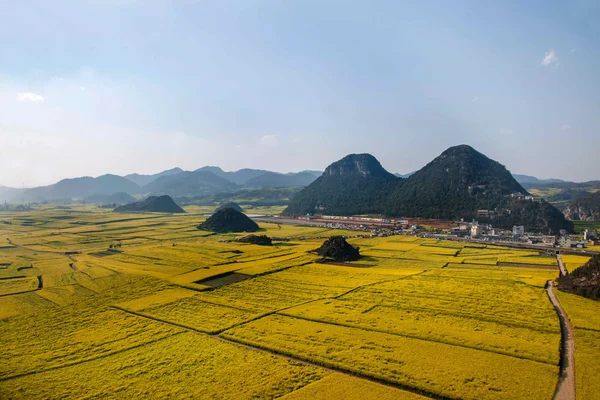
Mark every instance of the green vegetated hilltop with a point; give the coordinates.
(228, 220)
(162, 204)
(356, 184)
(454, 185)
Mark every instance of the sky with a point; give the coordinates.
(109, 86)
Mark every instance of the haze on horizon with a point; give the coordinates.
(130, 86)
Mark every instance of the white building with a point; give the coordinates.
(475, 230)
(518, 230)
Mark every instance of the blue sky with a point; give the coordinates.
(109, 86)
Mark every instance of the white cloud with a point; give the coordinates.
(573, 50)
(550, 58)
(28, 96)
(269, 140)
(565, 128)
(296, 140)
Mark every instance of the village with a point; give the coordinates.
(461, 230)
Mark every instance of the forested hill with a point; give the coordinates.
(454, 185)
(459, 181)
(163, 204)
(356, 184)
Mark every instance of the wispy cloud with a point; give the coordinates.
(573, 50)
(550, 58)
(506, 131)
(269, 140)
(296, 140)
(565, 128)
(28, 96)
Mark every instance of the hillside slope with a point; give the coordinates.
(118, 198)
(81, 187)
(586, 208)
(142, 180)
(186, 183)
(584, 281)
(239, 177)
(356, 184)
(273, 179)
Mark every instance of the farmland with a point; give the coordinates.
(95, 304)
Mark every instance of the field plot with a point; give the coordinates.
(101, 305)
(572, 262)
(585, 318)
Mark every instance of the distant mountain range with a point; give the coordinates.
(528, 179)
(456, 184)
(175, 182)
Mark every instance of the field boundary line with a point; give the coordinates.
(6, 378)
(291, 357)
(507, 354)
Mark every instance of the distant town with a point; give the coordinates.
(447, 230)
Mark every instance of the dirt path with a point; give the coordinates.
(565, 389)
(561, 265)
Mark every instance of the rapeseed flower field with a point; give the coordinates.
(105, 305)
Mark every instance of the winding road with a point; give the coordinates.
(565, 390)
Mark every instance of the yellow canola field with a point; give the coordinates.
(184, 365)
(572, 262)
(338, 386)
(437, 368)
(584, 315)
(432, 315)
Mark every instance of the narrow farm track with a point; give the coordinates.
(561, 265)
(291, 357)
(565, 389)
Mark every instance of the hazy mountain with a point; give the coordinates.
(523, 179)
(197, 183)
(9, 194)
(461, 181)
(356, 184)
(115, 198)
(405, 175)
(312, 171)
(256, 197)
(142, 180)
(238, 177)
(586, 208)
(274, 179)
(81, 188)
(164, 204)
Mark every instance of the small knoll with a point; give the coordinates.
(164, 204)
(338, 249)
(261, 240)
(228, 220)
(230, 204)
(584, 281)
